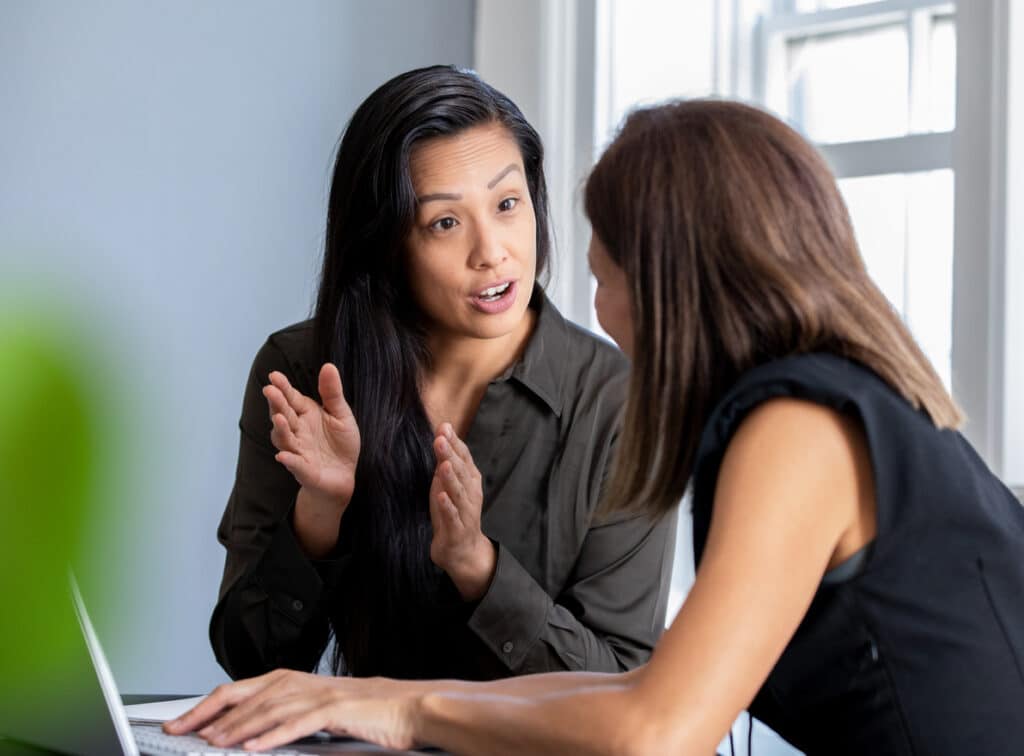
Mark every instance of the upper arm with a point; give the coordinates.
(790, 486)
(263, 490)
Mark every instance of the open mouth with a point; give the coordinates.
(496, 299)
(494, 293)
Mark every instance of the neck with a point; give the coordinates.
(462, 367)
(459, 360)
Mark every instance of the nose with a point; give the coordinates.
(488, 248)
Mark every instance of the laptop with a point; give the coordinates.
(77, 710)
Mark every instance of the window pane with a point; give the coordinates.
(809, 6)
(904, 227)
(942, 75)
(850, 86)
(660, 50)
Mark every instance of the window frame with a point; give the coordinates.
(976, 150)
(554, 65)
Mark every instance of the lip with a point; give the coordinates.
(499, 305)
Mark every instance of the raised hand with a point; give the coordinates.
(459, 547)
(318, 444)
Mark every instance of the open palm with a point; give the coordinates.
(319, 444)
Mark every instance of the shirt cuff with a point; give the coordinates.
(292, 581)
(512, 614)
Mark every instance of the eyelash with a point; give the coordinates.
(436, 225)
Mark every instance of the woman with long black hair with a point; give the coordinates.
(425, 481)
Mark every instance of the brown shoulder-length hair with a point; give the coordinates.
(738, 250)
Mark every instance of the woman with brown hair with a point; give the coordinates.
(859, 573)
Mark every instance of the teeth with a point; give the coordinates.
(494, 290)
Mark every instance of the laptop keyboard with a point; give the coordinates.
(152, 740)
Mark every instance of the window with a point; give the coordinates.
(647, 51)
(873, 84)
(911, 102)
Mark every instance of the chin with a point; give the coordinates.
(496, 326)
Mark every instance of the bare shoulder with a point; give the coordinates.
(792, 458)
(799, 431)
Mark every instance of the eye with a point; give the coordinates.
(444, 224)
(508, 204)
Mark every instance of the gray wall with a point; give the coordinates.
(165, 167)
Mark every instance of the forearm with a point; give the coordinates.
(576, 719)
(526, 685)
(315, 520)
(531, 631)
(538, 685)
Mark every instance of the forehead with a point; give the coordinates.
(467, 160)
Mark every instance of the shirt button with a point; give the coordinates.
(297, 605)
(507, 647)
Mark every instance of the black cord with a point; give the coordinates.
(732, 745)
(750, 733)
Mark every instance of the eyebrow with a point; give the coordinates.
(507, 170)
(452, 196)
(439, 196)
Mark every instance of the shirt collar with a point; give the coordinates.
(537, 370)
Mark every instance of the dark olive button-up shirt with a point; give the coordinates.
(568, 592)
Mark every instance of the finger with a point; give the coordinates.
(253, 719)
(278, 404)
(222, 697)
(297, 465)
(298, 401)
(436, 489)
(292, 729)
(452, 485)
(331, 392)
(442, 449)
(281, 435)
(465, 473)
(277, 688)
(449, 446)
(447, 513)
(460, 447)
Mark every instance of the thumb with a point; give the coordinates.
(331, 393)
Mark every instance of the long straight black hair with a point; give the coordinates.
(387, 609)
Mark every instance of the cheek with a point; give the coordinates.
(429, 280)
(433, 263)
(606, 312)
(527, 242)
(614, 316)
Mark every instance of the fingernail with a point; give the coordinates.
(444, 446)
(448, 431)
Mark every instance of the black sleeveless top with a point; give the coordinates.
(922, 651)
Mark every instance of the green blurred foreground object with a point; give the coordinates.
(55, 449)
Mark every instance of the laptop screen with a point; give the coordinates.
(63, 706)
